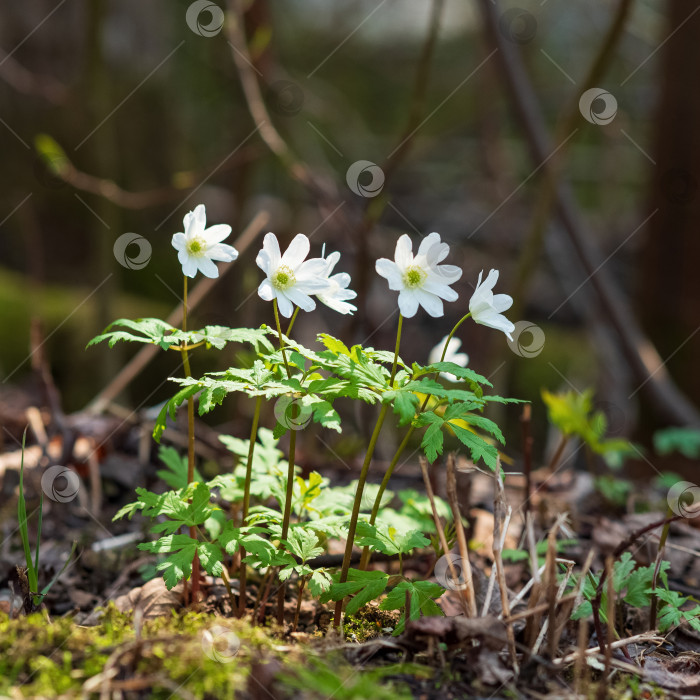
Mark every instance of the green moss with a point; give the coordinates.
(369, 623)
(40, 658)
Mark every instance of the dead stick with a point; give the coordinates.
(438, 526)
(461, 537)
(147, 353)
(499, 502)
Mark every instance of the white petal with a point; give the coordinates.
(195, 221)
(332, 261)
(431, 303)
(266, 291)
(303, 301)
(217, 233)
(272, 247)
(342, 307)
(285, 306)
(207, 267)
(403, 255)
(435, 285)
(297, 251)
(497, 321)
(189, 266)
(491, 280)
(262, 260)
(502, 302)
(450, 273)
(179, 241)
(408, 303)
(314, 267)
(342, 279)
(428, 242)
(389, 269)
(223, 252)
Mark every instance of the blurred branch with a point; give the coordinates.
(296, 167)
(28, 83)
(642, 356)
(148, 352)
(373, 210)
(532, 248)
(57, 163)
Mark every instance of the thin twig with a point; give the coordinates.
(440, 532)
(453, 500)
(499, 502)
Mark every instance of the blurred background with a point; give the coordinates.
(556, 142)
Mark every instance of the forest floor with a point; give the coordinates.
(110, 628)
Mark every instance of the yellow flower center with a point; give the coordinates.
(414, 277)
(197, 247)
(283, 278)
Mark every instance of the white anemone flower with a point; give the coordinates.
(337, 293)
(487, 308)
(290, 278)
(419, 279)
(452, 354)
(198, 247)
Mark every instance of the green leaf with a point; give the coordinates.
(367, 585)
(175, 475)
(302, 543)
(210, 557)
(683, 440)
(179, 564)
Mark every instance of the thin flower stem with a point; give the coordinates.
(246, 503)
(363, 478)
(287, 514)
(449, 337)
(190, 442)
(290, 471)
(291, 323)
(279, 334)
(366, 554)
